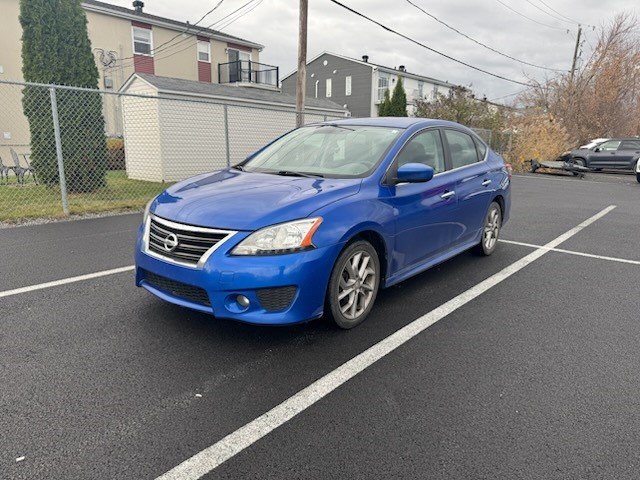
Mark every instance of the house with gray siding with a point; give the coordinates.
(359, 85)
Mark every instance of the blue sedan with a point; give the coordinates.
(322, 218)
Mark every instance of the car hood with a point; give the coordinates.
(581, 151)
(237, 200)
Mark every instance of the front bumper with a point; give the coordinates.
(223, 277)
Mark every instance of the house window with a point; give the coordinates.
(383, 84)
(420, 89)
(204, 51)
(435, 91)
(328, 87)
(347, 85)
(142, 41)
(317, 83)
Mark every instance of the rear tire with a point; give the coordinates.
(638, 176)
(353, 285)
(490, 230)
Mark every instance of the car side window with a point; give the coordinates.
(609, 146)
(630, 145)
(482, 149)
(462, 148)
(426, 148)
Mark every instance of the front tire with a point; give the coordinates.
(579, 162)
(354, 283)
(638, 176)
(490, 230)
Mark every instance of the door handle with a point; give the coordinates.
(486, 182)
(447, 195)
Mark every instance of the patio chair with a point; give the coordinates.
(19, 170)
(29, 167)
(4, 171)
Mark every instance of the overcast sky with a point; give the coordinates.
(274, 23)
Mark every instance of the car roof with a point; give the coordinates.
(615, 139)
(393, 122)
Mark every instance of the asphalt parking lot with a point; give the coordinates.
(534, 376)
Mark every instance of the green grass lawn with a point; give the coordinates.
(19, 202)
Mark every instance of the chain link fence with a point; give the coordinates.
(499, 142)
(67, 150)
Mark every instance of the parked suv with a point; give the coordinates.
(618, 153)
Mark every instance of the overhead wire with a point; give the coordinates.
(479, 42)
(412, 40)
(529, 18)
(166, 46)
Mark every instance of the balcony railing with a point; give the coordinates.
(246, 71)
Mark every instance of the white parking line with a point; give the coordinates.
(572, 252)
(208, 459)
(65, 281)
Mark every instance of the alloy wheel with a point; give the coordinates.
(491, 229)
(357, 285)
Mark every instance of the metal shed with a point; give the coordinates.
(176, 128)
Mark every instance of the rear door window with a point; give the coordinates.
(630, 145)
(461, 148)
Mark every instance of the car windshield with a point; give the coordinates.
(334, 151)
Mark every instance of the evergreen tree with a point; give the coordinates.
(56, 49)
(398, 107)
(384, 109)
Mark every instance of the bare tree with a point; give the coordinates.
(603, 98)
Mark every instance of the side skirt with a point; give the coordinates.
(421, 267)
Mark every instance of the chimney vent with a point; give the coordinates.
(137, 5)
(401, 68)
(365, 58)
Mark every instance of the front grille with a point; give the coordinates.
(274, 299)
(182, 243)
(177, 289)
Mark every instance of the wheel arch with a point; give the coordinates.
(376, 238)
(499, 199)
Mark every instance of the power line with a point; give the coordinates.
(186, 30)
(229, 22)
(479, 42)
(427, 47)
(529, 18)
(568, 18)
(509, 95)
(555, 17)
(189, 27)
(156, 51)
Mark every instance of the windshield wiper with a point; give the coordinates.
(335, 125)
(238, 167)
(289, 173)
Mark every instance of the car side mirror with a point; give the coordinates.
(414, 173)
(597, 149)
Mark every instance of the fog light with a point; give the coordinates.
(242, 301)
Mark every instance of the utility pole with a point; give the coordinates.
(301, 83)
(575, 54)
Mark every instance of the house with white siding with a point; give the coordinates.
(359, 85)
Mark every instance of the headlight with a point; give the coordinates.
(146, 211)
(283, 238)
